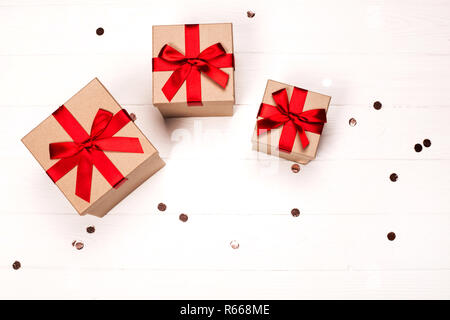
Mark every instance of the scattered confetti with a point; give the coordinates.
(234, 244)
(295, 168)
(250, 14)
(295, 212)
(162, 207)
(90, 229)
(183, 217)
(100, 31)
(391, 236)
(133, 117)
(418, 147)
(427, 143)
(78, 245)
(377, 105)
(393, 177)
(352, 122)
(16, 265)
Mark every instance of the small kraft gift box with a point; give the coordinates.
(290, 121)
(193, 70)
(93, 151)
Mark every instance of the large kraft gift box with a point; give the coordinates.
(193, 70)
(93, 151)
(290, 122)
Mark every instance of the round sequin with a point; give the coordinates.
(391, 236)
(295, 212)
(16, 265)
(234, 244)
(393, 177)
(183, 217)
(78, 245)
(295, 168)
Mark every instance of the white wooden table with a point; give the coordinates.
(395, 52)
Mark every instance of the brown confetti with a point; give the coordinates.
(391, 236)
(90, 229)
(250, 14)
(16, 265)
(73, 243)
(427, 143)
(79, 245)
(418, 147)
(377, 105)
(295, 212)
(352, 122)
(295, 168)
(100, 31)
(234, 244)
(133, 117)
(393, 177)
(162, 207)
(183, 217)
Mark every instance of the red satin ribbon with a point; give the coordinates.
(291, 116)
(189, 66)
(86, 151)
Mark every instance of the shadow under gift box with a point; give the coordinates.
(268, 142)
(216, 101)
(135, 167)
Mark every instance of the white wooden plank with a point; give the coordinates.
(255, 187)
(389, 133)
(228, 167)
(273, 242)
(395, 80)
(74, 283)
(348, 26)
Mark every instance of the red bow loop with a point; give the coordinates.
(86, 151)
(291, 116)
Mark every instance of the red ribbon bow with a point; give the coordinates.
(86, 151)
(189, 66)
(291, 116)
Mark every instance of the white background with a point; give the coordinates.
(358, 52)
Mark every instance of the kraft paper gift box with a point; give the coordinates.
(193, 70)
(93, 151)
(290, 121)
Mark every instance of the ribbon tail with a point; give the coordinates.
(303, 138)
(287, 137)
(84, 176)
(175, 81)
(218, 76)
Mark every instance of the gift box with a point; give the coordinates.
(290, 121)
(93, 151)
(193, 70)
